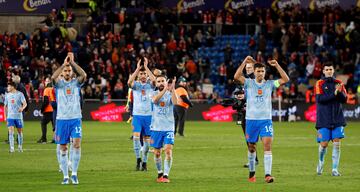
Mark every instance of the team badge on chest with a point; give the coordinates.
(260, 92)
(162, 104)
(68, 91)
(143, 92)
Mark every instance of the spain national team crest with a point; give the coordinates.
(68, 91)
(319, 135)
(162, 104)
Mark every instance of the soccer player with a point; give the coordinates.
(259, 112)
(142, 110)
(330, 120)
(68, 118)
(15, 104)
(163, 125)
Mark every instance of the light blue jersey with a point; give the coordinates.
(163, 114)
(258, 99)
(14, 102)
(142, 98)
(68, 99)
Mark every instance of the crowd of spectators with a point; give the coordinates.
(108, 49)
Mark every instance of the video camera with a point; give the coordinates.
(236, 104)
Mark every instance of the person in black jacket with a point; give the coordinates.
(330, 120)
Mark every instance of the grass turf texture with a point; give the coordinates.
(209, 158)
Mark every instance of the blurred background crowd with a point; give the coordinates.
(205, 47)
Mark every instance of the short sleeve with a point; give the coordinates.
(22, 97)
(60, 83)
(136, 85)
(181, 91)
(6, 100)
(247, 83)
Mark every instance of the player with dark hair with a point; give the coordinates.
(142, 110)
(68, 118)
(162, 125)
(259, 112)
(15, 104)
(330, 120)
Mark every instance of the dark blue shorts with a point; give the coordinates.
(256, 128)
(17, 123)
(326, 134)
(141, 124)
(66, 129)
(161, 138)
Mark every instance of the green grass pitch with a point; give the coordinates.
(209, 158)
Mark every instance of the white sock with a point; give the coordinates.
(76, 160)
(11, 139)
(336, 155)
(167, 166)
(251, 158)
(267, 162)
(64, 163)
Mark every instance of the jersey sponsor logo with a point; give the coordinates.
(143, 92)
(162, 104)
(13, 101)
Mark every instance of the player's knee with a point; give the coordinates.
(324, 144)
(267, 147)
(11, 129)
(168, 152)
(157, 152)
(147, 139)
(136, 136)
(76, 145)
(252, 147)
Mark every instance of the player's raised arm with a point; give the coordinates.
(134, 75)
(57, 73)
(173, 92)
(78, 70)
(157, 97)
(239, 75)
(148, 71)
(284, 77)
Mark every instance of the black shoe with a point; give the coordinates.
(53, 141)
(138, 164)
(6, 141)
(143, 167)
(43, 141)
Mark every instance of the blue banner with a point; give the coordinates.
(30, 6)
